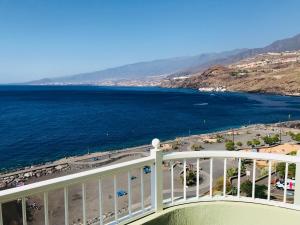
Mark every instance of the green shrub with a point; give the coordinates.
(281, 169)
(231, 172)
(249, 143)
(219, 185)
(229, 145)
(191, 177)
(296, 137)
(234, 73)
(260, 190)
(240, 144)
(264, 171)
(256, 142)
(271, 140)
(196, 147)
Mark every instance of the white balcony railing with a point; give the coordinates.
(159, 198)
(239, 156)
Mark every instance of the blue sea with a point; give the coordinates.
(44, 123)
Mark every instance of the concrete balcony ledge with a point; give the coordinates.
(222, 213)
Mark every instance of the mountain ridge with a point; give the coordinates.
(274, 73)
(141, 70)
(160, 68)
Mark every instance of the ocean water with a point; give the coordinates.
(41, 123)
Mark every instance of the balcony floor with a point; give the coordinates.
(222, 213)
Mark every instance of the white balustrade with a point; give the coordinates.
(210, 177)
(129, 194)
(270, 158)
(24, 215)
(198, 178)
(101, 202)
(155, 161)
(285, 181)
(66, 203)
(46, 208)
(253, 178)
(1, 217)
(79, 178)
(83, 189)
(239, 178)
(269, 180)
(172, 182)
(224, 176)
(115, 198)
(184, 179)
(142, 189)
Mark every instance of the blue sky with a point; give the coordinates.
(53, 38)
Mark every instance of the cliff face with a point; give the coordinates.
(265, 73)
(212, 77)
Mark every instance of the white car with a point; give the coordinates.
(289, 182)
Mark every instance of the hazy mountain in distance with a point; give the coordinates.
(141, 70)
(288, 44)
(173, 66)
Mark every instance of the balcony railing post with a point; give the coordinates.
(297, 182)
(1, 216)
(156, 177)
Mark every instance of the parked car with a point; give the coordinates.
(289, 182)
(121, 193)
(147, 169)
(133, 177)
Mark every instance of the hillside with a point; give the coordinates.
(152, 72)
(142, 71)
(265, 73)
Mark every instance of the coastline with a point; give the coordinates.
(72, 164)
(84, 162)
(22, 153)
(159, 86)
